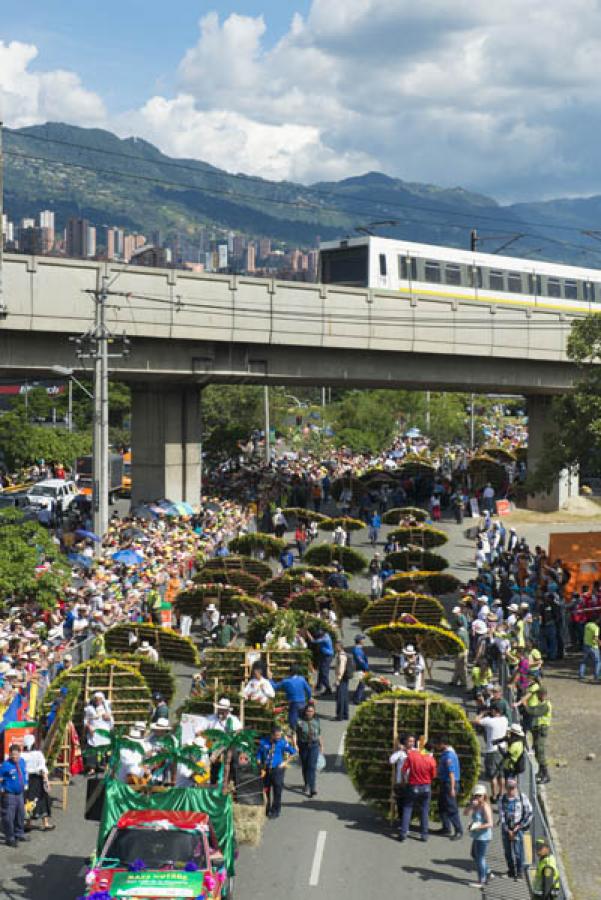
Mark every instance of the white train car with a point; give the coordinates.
(427, 270)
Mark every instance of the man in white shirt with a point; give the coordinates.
(150, 653)
(131, 768)
(223, 719)
(495, 728)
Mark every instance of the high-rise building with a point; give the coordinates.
(119, 239)
(109, 242)
(91, 241)
(250, 257)
(223, 257)
(264, 248)
(46, 218)
(76, 237)
(230, 242)
(238, 245)
(129, 245)
(26, 223)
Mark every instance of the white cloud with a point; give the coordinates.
(29, 98)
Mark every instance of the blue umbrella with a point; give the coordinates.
(79, 560)
(128, 558)
(81, 532)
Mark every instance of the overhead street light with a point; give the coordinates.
(68, 373)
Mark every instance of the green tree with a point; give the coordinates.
(22, 443)
(24, 546)
(576, 439)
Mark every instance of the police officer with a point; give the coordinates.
(540, 716)
(547, 883)
(514, 761)
(13, 782)
(272, 756)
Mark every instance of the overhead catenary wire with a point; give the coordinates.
(306, 205)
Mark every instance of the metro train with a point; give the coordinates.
(427, 270)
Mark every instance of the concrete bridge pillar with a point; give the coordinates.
(541, 428)
(166, 443)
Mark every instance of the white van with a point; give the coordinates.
(44, 492)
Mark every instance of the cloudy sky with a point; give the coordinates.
(503, 98)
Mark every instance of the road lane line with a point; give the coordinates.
(317, 858)
(340, 754)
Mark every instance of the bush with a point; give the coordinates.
(299, 512)
(437, 583)
(426, 609)
(285, 586)
(424, 560)
(420, 535)
(170, 644)
(371, 738)
(325, 554)
(346, 522)
(401, 513)
(255, 542)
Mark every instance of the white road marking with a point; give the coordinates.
(317, 858)
(340, 754)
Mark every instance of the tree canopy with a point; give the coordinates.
(24, 546)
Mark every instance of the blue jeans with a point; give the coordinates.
(342, 700)
(294, 709)
(323, 668)
(514, 852)
(13, 816)
(590, 655)
(550, 635)
(359, 694)
(448, 809)
(479, 851)
(308, 757)
(417, 795)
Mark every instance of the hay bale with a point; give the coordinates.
(249, 822)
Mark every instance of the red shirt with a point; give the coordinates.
(420, 766)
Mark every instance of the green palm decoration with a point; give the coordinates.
(118, 741)
(174, 753)
(230, 741)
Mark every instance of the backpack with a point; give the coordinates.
(351, 667)
(520, 764)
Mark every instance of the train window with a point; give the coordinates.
(570, 289)
(475, 276)
(407, 268)
(382, 259)
(344, 265)
(514, 282)
(496, 280)
(432, 271)
(452, 273)
(553, 287)
(594, 292)
(535, 285)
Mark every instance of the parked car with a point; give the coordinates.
(44, 492)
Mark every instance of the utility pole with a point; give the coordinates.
(472, 424)
(427, 412)
(267, 426)
(93, 345)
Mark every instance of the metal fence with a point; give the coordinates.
(540, 825)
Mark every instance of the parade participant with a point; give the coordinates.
(591, 654)
(495, 727)
(272, 756)
(514, 759)
(280, 525)
(210, 620)
(541, 715)
(298, 693)
(38, 788)
(97, 717)
(419, 770)
(500, 702)
(322, 642)
(547, 881)
(361, 667)
(460, 627)
(515, 815)
(160, 709)
(132, 770)
(258, 688)
(310, 744)
(13, 784)
(397, 759)
(148, 652)
(223, 719)
(343, 670)
(413, 668)
(481, 825)
(449, 776)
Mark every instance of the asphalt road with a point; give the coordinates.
(330, 846)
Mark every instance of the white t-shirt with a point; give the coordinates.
(495, 727)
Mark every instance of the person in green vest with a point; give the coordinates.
(514, 761)
(460, 626)
(98, 646)
(153, 605)
(591, 653)
(540, 716)
(547, 882)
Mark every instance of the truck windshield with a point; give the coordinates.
(43, 490)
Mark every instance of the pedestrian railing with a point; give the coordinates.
(539, 827)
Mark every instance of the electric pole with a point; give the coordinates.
(93, 345)
(267, 427)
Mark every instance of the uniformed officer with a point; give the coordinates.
(540, 716)
(547, 883)
(13, 783)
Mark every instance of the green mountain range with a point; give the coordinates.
(131, 184)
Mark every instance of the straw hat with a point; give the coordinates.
(224, 703)
(161, 725)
